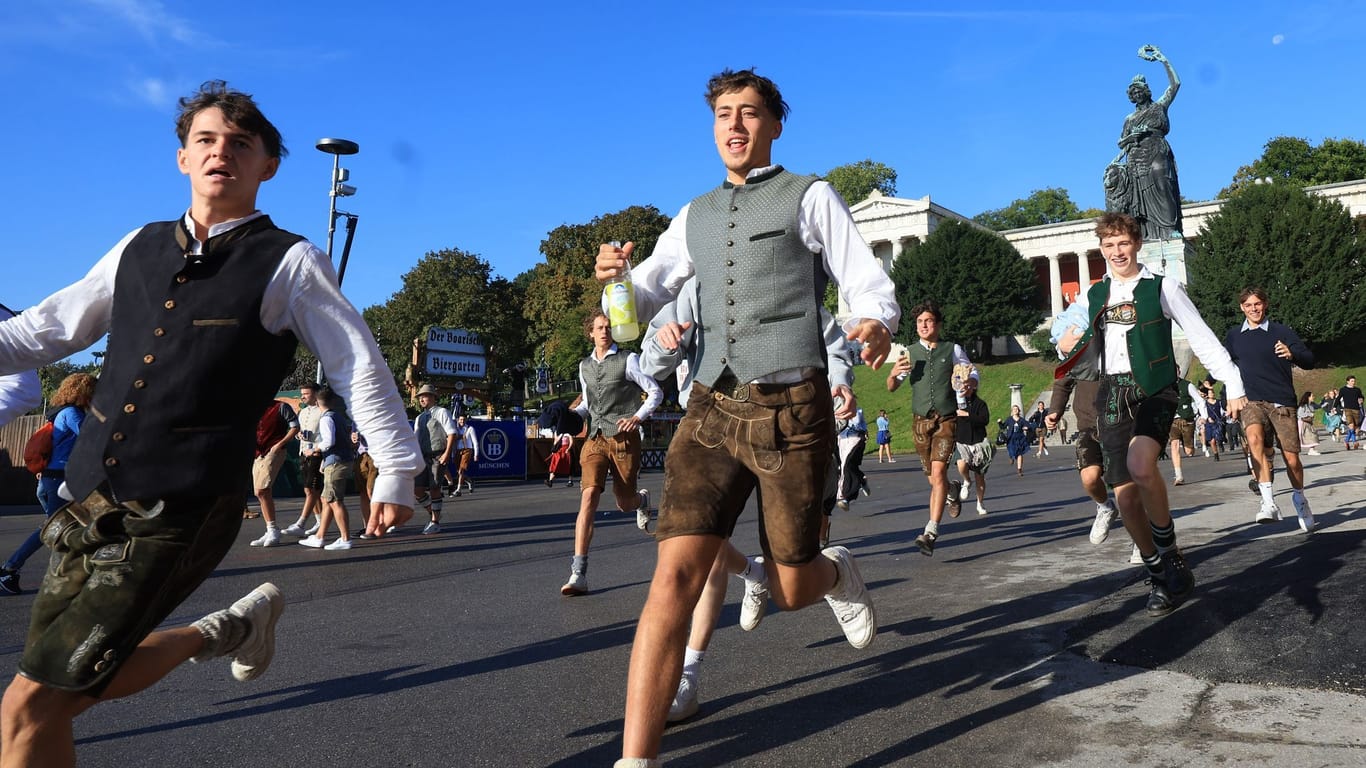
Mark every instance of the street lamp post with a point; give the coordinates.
(336, 148)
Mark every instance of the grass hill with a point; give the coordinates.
(1036, 375)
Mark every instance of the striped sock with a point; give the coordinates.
(1164, 537)
(1153, 563)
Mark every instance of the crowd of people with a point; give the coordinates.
(220, 296)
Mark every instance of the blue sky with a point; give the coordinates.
(483, 126)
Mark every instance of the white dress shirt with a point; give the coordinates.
(19, 392)
(653, 394)
(302, 296)
(826, 228)
(1177, 306)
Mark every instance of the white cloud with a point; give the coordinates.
(151, 90)
(150, 18)
(1277, 39)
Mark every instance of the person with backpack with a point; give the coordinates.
(69, 405)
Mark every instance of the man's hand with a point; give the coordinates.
(612, 260)
(1283, 352)
(877, 340)
(900, 368)
(628, 424)
(1069, 340)
(849, 407)
(1235, 406)
(671, 335)
(1051, 421)
(443, 458)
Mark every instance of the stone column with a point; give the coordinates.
(1054, 285)
(1015, 398)
(1083, 274)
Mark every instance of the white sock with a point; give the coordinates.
(692, 662)
(1265, 488)
(932, 528)
(754, 569)
(272, 527)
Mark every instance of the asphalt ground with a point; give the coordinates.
(1017, 644)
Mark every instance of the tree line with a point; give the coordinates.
(1306, 251)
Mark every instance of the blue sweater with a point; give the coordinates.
(1267, 377)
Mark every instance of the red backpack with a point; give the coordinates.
(38, 449)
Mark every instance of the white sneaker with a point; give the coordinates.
(1313, 452)
(391, 529)
(1306, 516)
(964, 491)
(339, 544)
(684, 704)
(981, 510)
(1269, 513)
(851, 603)
(261, 608)
(754, 602)
(1100, 529)
(431, 528)
(1135, 557)
(312, 542)
(271, 538)
(643, 511)
(294, 530)
(312, 529)
(577, 584)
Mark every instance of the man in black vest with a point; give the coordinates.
(203, 315)
(761, 410)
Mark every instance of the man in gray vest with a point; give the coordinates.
(929, 365)
(436, 437)
(203, 315)
(612, 383)
(760, 414)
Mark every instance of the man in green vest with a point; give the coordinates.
(1130, 340)
(929, 365)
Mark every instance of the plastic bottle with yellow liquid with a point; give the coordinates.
(621, 305)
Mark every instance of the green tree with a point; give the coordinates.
(856, 181)
(453, 289)
(1293, 159)
(1043, 206)
(562, 291)
(1300, 248)
(982, 284)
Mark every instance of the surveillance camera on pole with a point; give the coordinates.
(337, 148)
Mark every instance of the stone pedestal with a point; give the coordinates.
(1168, 258)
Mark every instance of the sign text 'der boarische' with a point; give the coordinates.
(453, 340)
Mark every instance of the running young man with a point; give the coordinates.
(1130, 343)
(929, 365)
(1266, 352)
(612, 385)
(202, 314)
(762, 246)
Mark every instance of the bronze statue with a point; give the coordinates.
(1141, 180)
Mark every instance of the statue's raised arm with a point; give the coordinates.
(1151, 53)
